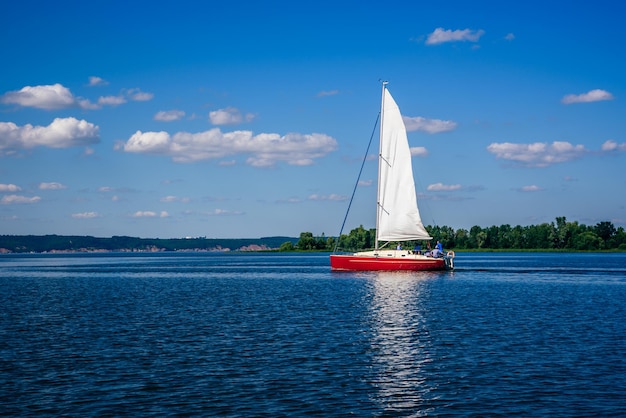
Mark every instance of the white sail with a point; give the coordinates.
(398, 215)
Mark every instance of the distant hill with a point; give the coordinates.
(73, 243)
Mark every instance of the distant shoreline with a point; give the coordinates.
(20, 244)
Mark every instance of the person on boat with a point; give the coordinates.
(428, 252)
(399, 247)
(438, 251)
(417, 249)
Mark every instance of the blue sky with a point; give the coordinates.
(250, 119)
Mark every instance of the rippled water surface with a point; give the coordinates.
(280, 335)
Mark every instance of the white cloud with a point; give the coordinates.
(169, 115)
(139, 96)
(111, 101)
(418, 151)
(51, 186)
(531, 188)
(150, 214)
(228, 116)
(224, 212)
(332, 197)
(85, 215)
(97, 81)
(290, 200)
(537, 154)
(61, 133)
(144, 214)
(365, 183)
(591, 96)
(57, 96)
(611, 145)
(509, 36)
(441, 35)
(9, 188)
(16, 199)
(169, 199)
(265, 149)
(48, 97)
(440, 187)
(432, 126)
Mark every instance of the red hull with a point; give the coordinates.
(356, 263)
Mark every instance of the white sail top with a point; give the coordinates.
(398, 215)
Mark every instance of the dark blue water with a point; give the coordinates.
(280, 335)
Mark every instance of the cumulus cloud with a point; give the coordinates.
(97, 81)
(538, 154)
(56, 96)
(51, 186)
(169, 115)
(431, 126)
(17, 199)
(49, 97)
(225, 212)
(139, 96)
(611, 145)
(150, 214)
(61, 133)
(229, 116)
(441, 35)
(111, 101)
(9, 188)
(169, 199)
(440, 187)
(418, 151)
(85, 215)
(290, 200)
(332, 197)
(265, 150)
(596, 95)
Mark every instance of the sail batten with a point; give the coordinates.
(398, 215)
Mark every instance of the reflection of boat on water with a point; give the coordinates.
(400, 342)
(397, 215)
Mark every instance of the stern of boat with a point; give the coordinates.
(448, 259)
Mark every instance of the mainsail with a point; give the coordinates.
(398, 218)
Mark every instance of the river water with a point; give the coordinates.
(269, 334)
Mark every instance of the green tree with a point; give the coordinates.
(306, 241)
(606, 231)
(587, 241)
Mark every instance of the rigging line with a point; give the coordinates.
(357, 182)
(425, 203)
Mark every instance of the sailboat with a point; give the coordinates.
(397, 215)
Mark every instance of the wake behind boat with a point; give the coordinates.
(397, 215)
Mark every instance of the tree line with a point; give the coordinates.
(557, 235)
(70, 243)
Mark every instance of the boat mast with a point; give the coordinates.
(380, 160)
